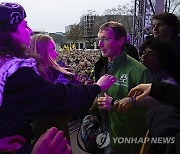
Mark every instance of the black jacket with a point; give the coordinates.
(164, 120)
(167, 93)
(28, 97)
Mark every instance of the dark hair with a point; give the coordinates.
(171, 20)
(8, 45)
(164, 51)
(118, 28)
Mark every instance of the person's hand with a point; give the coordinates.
(106, 81)
(67, 71)
(140, 91)
(104, 103)
(75, 79)
(11, 144)
(52, 142)
(123, 105)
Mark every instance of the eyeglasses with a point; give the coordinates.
(104, 39)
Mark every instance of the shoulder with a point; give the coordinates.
(135, 64)
(24, 71)
(101, 61)
(24, 75)
(169, 80)
(175, 41)
(25, 80)
(138, 71)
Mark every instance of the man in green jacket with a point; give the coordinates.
(129, 73)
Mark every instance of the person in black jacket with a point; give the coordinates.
(131, 49)
(166, 27)
(167, 93)
(24, 95)
(162, 120)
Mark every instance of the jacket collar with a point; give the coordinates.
(102, 63)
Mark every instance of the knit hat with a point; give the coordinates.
(11, 14)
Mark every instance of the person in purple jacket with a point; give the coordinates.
(24, 95)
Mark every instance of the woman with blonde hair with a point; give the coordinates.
(44, 47)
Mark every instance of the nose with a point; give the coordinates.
(100, 44)
(56, 54)
(155, 28)
(144, 56)
(30, 31)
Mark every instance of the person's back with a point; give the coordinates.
(130, 49)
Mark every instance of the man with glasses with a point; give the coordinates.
(129, 73)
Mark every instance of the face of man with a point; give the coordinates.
(109, 46)
(161, 30)
(23, 33)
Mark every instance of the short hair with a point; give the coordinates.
(118, 29)
(169, 19)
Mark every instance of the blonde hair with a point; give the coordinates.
(39, 45)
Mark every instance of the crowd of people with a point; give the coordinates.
(132, 93)
(81, 62)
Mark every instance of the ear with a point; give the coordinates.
(121, 41)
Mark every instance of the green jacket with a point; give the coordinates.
(129, 73)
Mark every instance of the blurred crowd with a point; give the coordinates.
(81, 62)
(41, 89)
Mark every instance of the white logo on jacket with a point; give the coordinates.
(123, 80)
